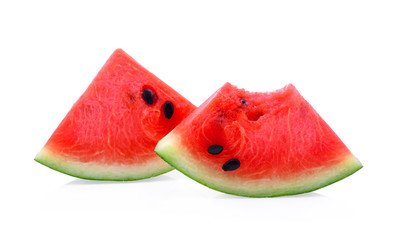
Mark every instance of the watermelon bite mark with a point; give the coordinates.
(111, 131)
(270, 144)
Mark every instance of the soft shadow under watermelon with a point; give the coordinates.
(160, 178)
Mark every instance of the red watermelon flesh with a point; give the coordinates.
(258, 144)
(111, 131)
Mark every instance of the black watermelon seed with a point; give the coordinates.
(231, 165)
(215, 149)
(243, 101)
(168, 110)
(148, 96)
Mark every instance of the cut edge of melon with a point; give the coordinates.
(174, 153)
(107, 172)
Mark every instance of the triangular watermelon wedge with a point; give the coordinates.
(111, 131)
(258, 145)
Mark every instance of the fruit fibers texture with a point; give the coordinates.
(258, 145)
(110, 133)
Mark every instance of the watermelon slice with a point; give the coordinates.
(111, 131)
(258, 145)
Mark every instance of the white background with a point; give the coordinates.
(343, 56)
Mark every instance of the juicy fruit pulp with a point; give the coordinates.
(258, 144)
(111, 131)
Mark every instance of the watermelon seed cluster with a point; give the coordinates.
(231, 164)
(148, 97)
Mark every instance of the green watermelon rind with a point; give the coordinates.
(103, 172)
(174, 153)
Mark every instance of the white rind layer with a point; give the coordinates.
(171, 149)
(95, 171)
